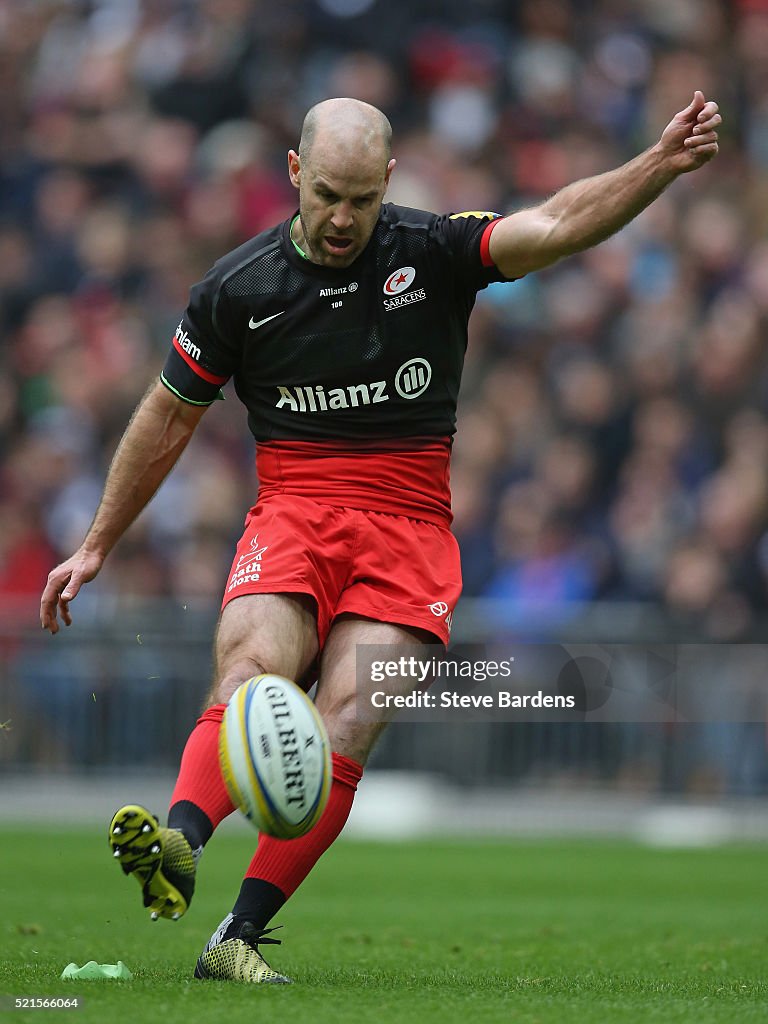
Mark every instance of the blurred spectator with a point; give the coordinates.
(614, 422)
(142, 141)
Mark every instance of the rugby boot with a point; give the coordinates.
(232, 954)
(160, 859)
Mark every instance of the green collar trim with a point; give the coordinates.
(298, 248)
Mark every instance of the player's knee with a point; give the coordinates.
(228, 681)
(347, 732)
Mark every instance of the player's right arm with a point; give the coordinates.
(158, 433)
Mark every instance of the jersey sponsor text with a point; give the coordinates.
(327, 292)
(411, 380)
(304, 398)
(185, 343)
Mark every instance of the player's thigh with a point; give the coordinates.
(351, 733)
(275, 633)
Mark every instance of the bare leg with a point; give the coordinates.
(336, 690)
(258, 633)
(279, 866)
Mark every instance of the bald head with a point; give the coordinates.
(348, 126)
(342, 171)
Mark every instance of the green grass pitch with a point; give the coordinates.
(436, 931)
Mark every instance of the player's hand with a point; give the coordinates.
(63, 585)
(690, 138)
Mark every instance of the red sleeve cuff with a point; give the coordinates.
(485, 243)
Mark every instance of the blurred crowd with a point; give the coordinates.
(613, 433)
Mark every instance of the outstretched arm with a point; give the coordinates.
(152, 443)
(589, 211)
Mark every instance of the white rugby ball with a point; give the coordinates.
(275, 756)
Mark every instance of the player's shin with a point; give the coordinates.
(200, 801)
(279, 866)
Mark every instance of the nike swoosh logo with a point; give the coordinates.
(254, 324)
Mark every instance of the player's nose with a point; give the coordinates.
(343, 218)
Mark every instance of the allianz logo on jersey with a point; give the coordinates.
(396, 287)
(346, 289)
(411, 380)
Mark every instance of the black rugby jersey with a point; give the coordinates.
(371, 351)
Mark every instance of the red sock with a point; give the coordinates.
(200, 800)
(285, 863)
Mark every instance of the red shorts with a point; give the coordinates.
(384, 567)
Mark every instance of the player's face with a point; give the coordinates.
(339, 202)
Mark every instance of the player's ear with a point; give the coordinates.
(294, 168)
(388, 172)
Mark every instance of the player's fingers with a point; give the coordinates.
(69, 593)
(706, 152)
(707, 111)
(48, 620)
(696, 104)
(707, 125)
(66, 618)
(62, 586)
(49, 602)
(699, 141)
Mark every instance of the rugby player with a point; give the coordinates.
(344, 329)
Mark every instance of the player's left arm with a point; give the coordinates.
(589, 211)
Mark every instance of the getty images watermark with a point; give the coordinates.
(564, 682)
(425, 671)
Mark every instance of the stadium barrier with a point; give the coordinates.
(122, 688)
